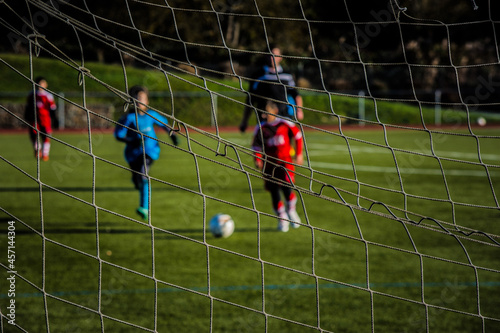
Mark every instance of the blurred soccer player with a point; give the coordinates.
(272, 83)
(136, 129)
(39, 113)
(272, 141)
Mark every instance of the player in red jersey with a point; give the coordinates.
(39, 113)
(273, 142)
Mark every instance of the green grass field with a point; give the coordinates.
(85, 263)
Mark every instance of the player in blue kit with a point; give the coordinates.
(136, 129)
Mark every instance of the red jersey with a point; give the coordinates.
(44, 105)
(275, 140)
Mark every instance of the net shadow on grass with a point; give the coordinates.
(194, 233)
(81, 189)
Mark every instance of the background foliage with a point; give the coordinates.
(319, 38)
(334, 48)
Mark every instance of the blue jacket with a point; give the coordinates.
(128, 130)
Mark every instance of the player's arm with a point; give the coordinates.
(51, 102)
(52, 110)
(259, 162)
(120, 131)
(299, 159)
(300, 103)
(162, 122)
(122, 134)
(299, 143)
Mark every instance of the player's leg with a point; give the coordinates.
(45, 146)
(288, 176)
(34, 140)
(140, 169)
(291, 206)
(278, 206)
(143, 209)
(45, 131)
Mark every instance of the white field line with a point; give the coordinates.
(377, 150)
(404, 171)
(324, 149)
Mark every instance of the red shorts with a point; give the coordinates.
(44, 124)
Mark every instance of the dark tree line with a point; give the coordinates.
(302, 27)
(336, 44)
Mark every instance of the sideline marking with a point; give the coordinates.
(315, 148)
(258, 287)
(404, 171)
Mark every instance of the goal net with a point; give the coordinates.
(397, 192)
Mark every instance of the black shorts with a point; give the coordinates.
(140, 168)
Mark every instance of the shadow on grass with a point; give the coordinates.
(107, 228)
(98, 188)
(79, 189)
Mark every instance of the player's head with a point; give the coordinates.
(140, 93)
(275, 58)
(41, 81)
(272, 109)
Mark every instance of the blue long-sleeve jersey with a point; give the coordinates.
(128, 129)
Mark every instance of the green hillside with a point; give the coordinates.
(194, 94)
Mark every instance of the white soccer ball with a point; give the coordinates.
(481, 121)
(222, 225)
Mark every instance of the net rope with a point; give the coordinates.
(215, 149)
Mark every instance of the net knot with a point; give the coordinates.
(33, 38)
(81, 72)
(127, 104)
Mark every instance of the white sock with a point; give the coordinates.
(46, 148)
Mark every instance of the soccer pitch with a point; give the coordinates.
(86, 263)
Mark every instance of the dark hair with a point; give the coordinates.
(269, 58)
(273, 46)
(135, 90)
(272, 104)
(39, 79)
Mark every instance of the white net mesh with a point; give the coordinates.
(397, 192)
